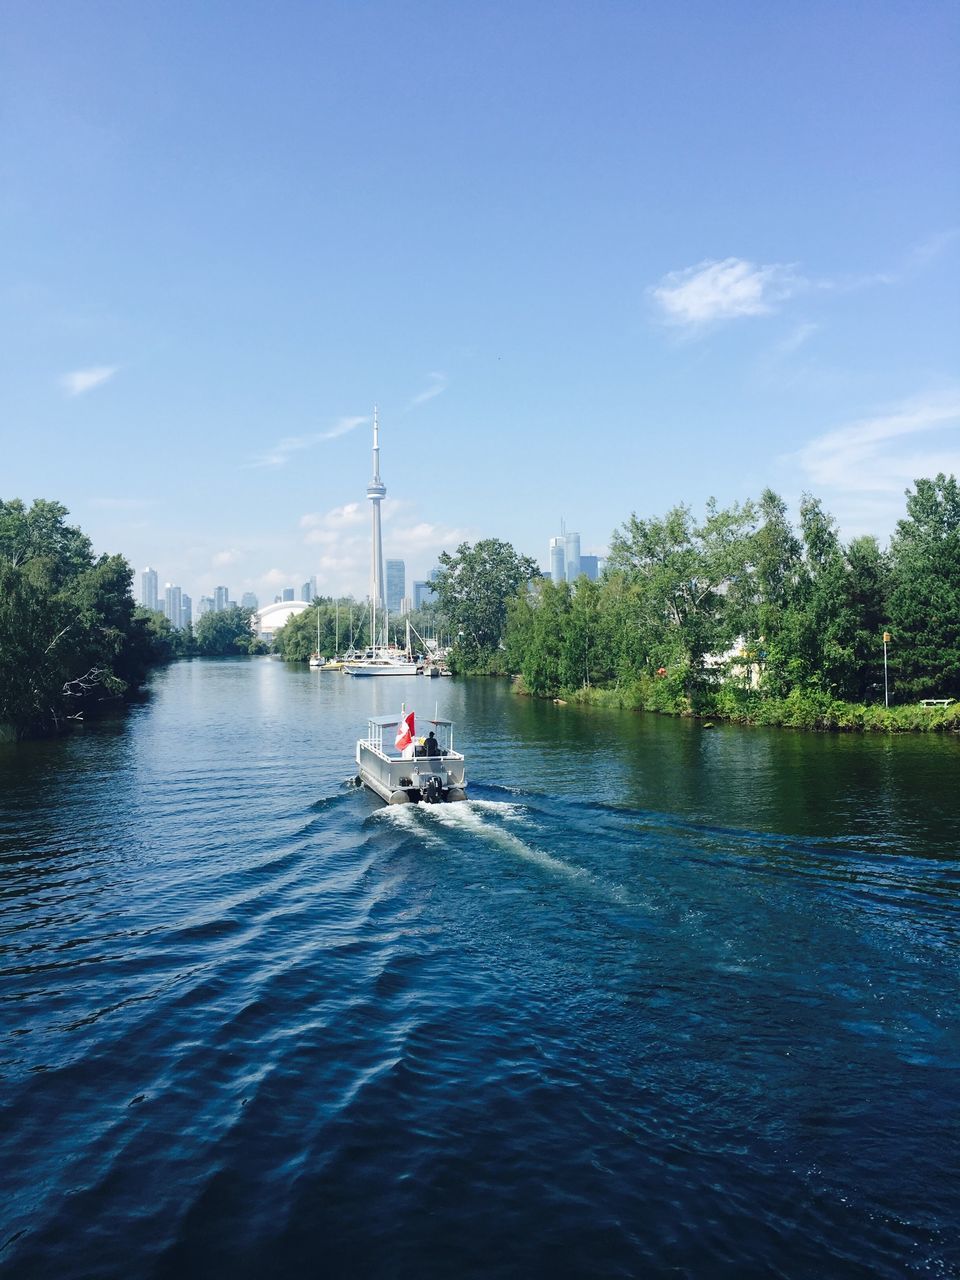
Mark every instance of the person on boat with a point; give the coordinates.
(431, 747)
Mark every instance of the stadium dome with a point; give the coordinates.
(273, 616)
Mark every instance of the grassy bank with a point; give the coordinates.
(811, 709)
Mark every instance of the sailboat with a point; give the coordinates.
(316, 659)
(336, 663)
(381, 660)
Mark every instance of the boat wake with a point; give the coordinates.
(488, 821)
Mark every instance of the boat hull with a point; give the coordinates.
(382, 669)
(428, 779)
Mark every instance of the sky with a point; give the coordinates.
(588, 259)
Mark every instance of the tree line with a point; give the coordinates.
(71, 637)
(728, 612)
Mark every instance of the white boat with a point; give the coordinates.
(382, 661)
(381, 667)
(404, 778)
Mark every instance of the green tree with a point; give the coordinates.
(38, 536)
(473, 587)
(681, 577)
(70, 634)
(925, 590)
(226, 633)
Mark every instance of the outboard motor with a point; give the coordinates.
(432, 792)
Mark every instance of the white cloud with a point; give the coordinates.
(340, 538)
(886, 453)
(724, 290)
(424, 536)
(80, 381)
(794, 340)
(927, 251)
(334, 522)
(280, 454)
(341, 427)
(122, 504)
(438, 384)
(223, 559)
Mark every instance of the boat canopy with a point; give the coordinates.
(384, 722)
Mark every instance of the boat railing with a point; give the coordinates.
(394, 756)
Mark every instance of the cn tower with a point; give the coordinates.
(376, 492)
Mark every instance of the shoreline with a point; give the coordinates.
(813, 712)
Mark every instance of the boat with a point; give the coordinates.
(383, 664)
(317, 659)
(381, 660)
(406, 774)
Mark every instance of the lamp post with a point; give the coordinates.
(886, 687)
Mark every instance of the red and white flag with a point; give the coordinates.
(405, 732)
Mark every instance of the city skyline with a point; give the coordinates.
(586, 260)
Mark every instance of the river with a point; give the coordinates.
(659, 1000)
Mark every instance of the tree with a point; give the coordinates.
(682, 577)
(70, 635)
(925, 589)
(226, 633)
(39, 536)
(473, 587)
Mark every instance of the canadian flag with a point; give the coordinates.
(405, 732)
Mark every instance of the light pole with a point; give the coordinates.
(886, 687)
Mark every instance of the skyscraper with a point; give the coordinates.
(149, 596)
(204, 605)
(221, 597)
(558, 571)
(396, 584)
(572, 553)
(186, 610)
(288, 593)
(590, 566)
(376, 492)
(248, 601)
(309, 589)
(171, 604)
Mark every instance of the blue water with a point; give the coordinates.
(657, 1001)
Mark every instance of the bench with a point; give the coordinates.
(936, 702)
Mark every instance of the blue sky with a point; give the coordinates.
(588, 259)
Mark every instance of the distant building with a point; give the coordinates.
(149, 595)
(572, 555)
(171, 604)
(396, 584)
(204, 605)
(309, 590)
(221, 597)
(558, 571)
(248, 601)
(287, 594)
(406, 606)
(590, 567)
(186, 611)
(423, 593)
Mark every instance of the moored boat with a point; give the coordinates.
(401, 769)
(382, 664)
